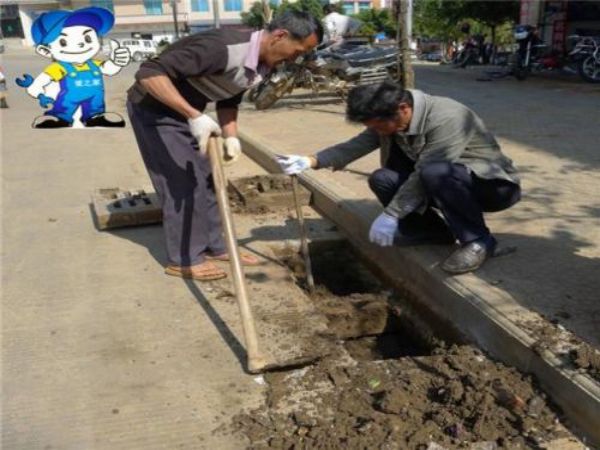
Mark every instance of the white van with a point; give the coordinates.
(140, 48)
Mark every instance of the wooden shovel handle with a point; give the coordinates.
(256, 361)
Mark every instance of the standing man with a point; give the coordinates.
(166, 106)
(337, 26)
(435, 152)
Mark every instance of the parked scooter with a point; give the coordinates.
(334, 69)
(587, 55)
(469, 53)
(531, 57)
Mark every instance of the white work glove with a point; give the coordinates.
(232, 149)
(293, 164)
(121, 56)
(202, 127)
(383, 230)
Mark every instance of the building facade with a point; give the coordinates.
(150, 19)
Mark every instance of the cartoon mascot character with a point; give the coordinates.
(71, 39)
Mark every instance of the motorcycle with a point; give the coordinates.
(587, 53)
(328, 69)
(469, 53)
(584, 58)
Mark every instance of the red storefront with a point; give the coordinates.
(559, 19)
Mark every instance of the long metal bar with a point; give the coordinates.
(310, 281)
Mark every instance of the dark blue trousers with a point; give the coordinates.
(183, 181)
(460, 196)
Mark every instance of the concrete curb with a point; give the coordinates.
(454, 303)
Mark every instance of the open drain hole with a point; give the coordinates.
(391, 345)
(336, 269)
(355, 303)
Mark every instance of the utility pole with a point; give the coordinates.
(217, 19)
(174, 8)
(403, 37)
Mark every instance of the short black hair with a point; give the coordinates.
(376, 101)
(299, 24)
(328, 8)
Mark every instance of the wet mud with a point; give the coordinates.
(386, 387)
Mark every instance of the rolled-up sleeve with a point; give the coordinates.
(231, 103)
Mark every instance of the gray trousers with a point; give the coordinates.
(183, 181)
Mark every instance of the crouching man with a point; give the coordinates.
(435, 152)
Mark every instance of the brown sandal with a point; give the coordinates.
(246, 259)
(210, 273)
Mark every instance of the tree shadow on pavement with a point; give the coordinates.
(552, 278)
(551, 117)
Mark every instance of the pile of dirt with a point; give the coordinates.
(385, 388)
(264, 193)
(453, 398)
(237, 205)
(550, 335)
(587, 358)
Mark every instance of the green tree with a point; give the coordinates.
(437, 18)
(375, 21)
(255, 17)
(442, 18)
(492, 14)
(313, 7)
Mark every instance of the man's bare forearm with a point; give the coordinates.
(228, 121)
(162, 88)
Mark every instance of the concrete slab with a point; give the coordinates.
(116, 207)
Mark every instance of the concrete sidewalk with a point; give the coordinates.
(101, 350)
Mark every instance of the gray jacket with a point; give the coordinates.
(441, 129)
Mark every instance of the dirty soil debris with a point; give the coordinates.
(381, 389)
(237, 205)
(588, 358)
(453, 398)
(264, 193)
(336, 270)
(552, 336)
